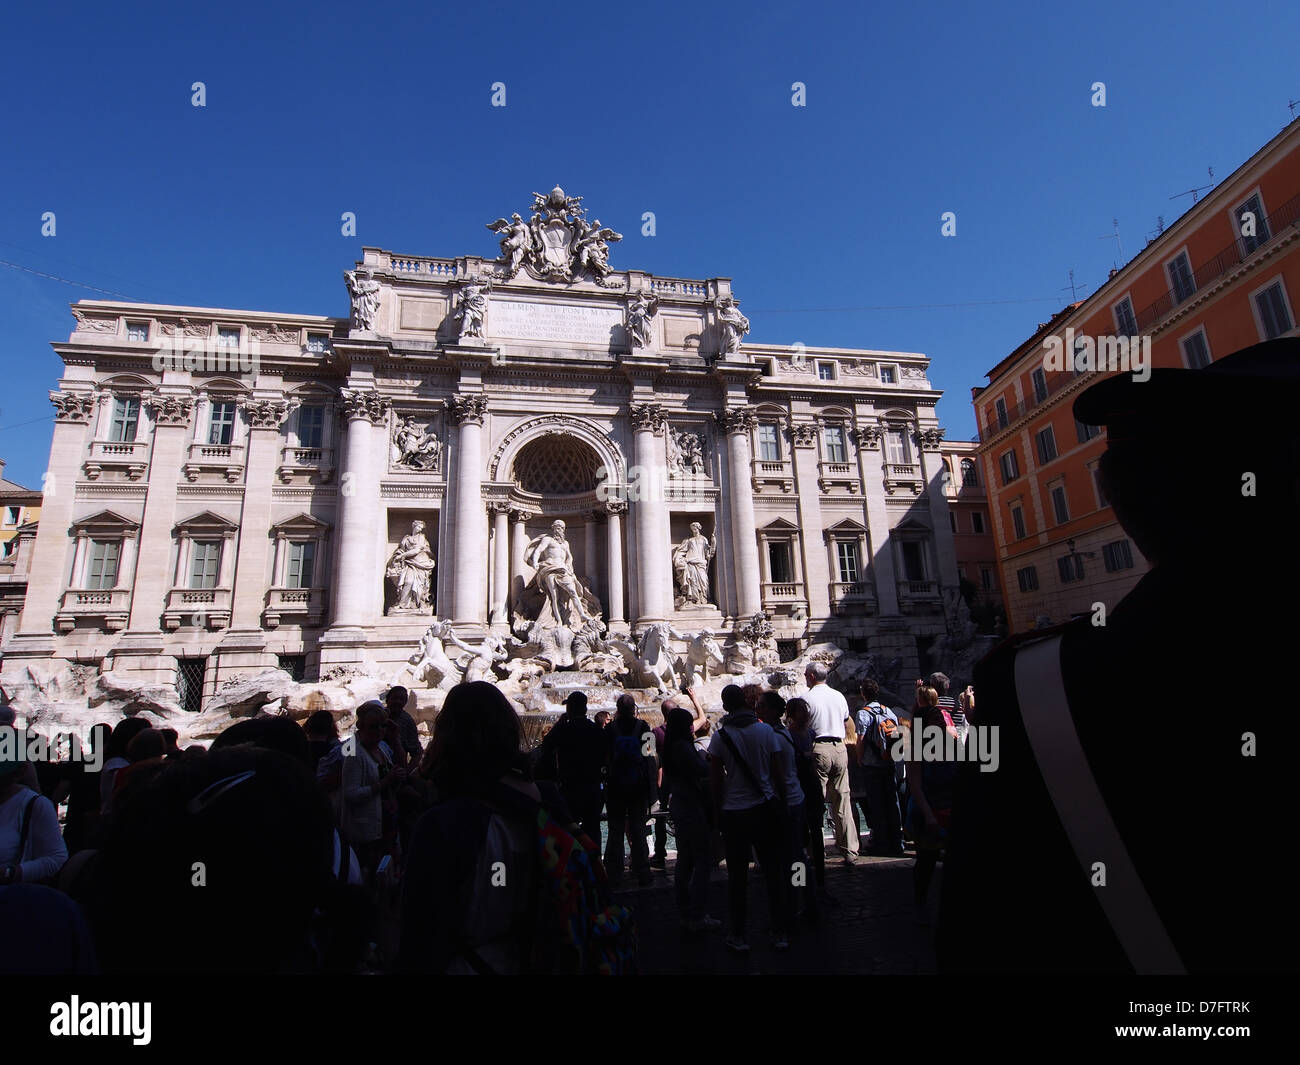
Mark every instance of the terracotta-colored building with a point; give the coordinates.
(1224, 276)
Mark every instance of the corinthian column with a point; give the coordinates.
(614, 552)
(469, 591)
(500, 563)
(647, 488)
(738, 423)
(358, 510)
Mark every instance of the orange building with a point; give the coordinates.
(1222, 277)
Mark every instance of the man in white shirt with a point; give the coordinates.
(830, 711)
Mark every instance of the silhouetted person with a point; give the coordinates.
(1096, 778)
(577, 746)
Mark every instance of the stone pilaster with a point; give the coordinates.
(929, 441)
(737, 423)
(805, 440)
(264, 416)
(871, 460)
(615, 509)
(359, 510)
(500, 563)
(469, 591)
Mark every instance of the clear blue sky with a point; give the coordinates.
(681, 109)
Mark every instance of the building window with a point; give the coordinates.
(189, 683)
(887, 375)
(1000, 406)
(12, 514)
(913, 560)
(1251, 225)
(1196, 350)
(826, 371)
(969, 473)
(102, 571)
(778, 563)
(1046, 442)
(1060, 505)
(846, 556)
(1117, 556)
(1018, 522)
(986, 578)
(1102, 501)
(1125, 320)
(977, 522)
(1039, 378)
(833, 439)
(205, 561)
(126, 419)
(227, 338)
(900, 454)
(1181, 280)
(302, 561)
(1274, 314)
(952, 520)
(1070, 568)
(1028, 578)
(1085, 432)
(1010, 467)
(769, 448)
(221, 424)
(318, 343)
(137, 331)
(311, 425)
(294, 665)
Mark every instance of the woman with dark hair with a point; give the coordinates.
(686, 778)
(930, 784)
(123, 733)
(470, 890)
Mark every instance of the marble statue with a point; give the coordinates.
(732, 324)
(702, 653)
(691, 560)
(552, 558)
(471, 307)
(430, 664)
(685, 452)
(410, 568)
(415, 448)
(591, 250)
(655, 655)
(516, 242)
(480, 663)
(364, 290)
(639, 312)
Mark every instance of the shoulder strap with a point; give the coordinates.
(750, 775)
(1045, 711)
(26, 829)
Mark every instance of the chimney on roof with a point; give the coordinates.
(2, 469)
(1112, 273)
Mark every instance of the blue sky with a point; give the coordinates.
(821, 214)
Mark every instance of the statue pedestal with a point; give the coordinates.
(696, 616)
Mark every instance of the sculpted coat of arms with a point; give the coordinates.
(557, 243)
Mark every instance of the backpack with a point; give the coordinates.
(580, 930)
(627, 770)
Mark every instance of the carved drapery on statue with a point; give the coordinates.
(691, 560)
(732, 325)
(557, 243)
(640, 310)
(410, 568)
(364, 291)
(471, 308)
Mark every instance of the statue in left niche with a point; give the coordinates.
(471, 307)
(364, 290)
(410, 568)
(413, 447)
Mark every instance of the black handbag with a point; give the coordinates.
(774, 808)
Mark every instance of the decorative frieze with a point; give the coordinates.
(86, 324)
(467, 409)
(184, 327)
(273, 334)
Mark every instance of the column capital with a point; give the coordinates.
(499, 506)
(365, 404)
(736, 420)
(803, 434)
(616, 506)
(930, 438)
(73, 406)
(469, 410)
(170, 409)
(266, 413)
(869, 437)
(647, 417)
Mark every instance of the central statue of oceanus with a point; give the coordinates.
(552, 557)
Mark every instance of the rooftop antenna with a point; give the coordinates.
(1293, 104)
(1193, 192)
(1073, 287)
(1115, 237)
(1160, 228)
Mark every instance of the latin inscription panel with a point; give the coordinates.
(513, 320)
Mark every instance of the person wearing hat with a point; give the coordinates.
(576, 749)
(1122, 777)
(31, 847)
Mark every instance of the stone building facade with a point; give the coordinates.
(232, 490)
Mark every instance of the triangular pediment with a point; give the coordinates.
(104, 519)
(207, 521)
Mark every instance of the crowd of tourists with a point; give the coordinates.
(291, 848)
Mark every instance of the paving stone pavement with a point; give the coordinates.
(874, 929)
